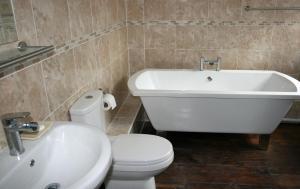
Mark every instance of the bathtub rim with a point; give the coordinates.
(215, 94)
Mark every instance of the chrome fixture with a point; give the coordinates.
(216, 62)
(13, 124)
(209, 78)
(248, 8)
(21, 53)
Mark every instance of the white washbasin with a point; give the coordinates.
(71, 154)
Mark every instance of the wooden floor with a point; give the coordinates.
(229, 161)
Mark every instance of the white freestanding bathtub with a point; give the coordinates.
(226, 101)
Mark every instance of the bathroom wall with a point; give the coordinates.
(176, 33)
(90, 37)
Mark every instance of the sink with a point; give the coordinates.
(69, 155)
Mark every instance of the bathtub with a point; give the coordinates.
(226, 101)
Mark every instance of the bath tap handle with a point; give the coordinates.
(219, 60)
(7, 119)
(202, 60)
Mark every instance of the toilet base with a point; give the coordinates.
(130, 184)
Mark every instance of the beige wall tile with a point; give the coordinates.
(293, 34)
(219, 37)
(24, 91)
(86, 63)
(60, 78)
(280, 38)
(52, 21)
(223, 37)
(136, 36)
(103, 73)
(207, 37)
(121, 11)
(125, 65)
(191, 37)
(80, 17)
(123, 40)
(160, 10)
(105, 79)
(191, 9)
(160, 37)
(114, 45)
(102, 52)
(253, 60)
(159, 58)
(225, 9)
(256, 37)
(99, 13)
(136, 60)
(228, 36)
(24, 21)
(285, 60)
(117, 74)
(188, 59)
(135, 10)
(112, 12)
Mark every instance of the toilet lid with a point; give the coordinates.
(140, 149)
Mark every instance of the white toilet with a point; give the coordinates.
(137, 158)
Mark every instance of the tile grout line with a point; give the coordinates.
(126, 19)
(69, 19)
(34, 22)
(14, 15)
(92, 17)
(45, 88)
(144, 35)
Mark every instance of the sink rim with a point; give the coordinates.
(89, 179)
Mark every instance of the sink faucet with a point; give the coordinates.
(216, 62)
(13, 124)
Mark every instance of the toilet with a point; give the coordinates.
(137, 158)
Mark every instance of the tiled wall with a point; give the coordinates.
(90, 37)
(176, 33)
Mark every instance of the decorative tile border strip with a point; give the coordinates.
(61, 49)
(210, 23)
(82, 39)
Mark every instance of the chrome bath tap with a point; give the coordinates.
(216, 62)
(13, 124)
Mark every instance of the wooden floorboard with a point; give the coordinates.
(221, 161)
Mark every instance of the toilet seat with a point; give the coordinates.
(141, 153)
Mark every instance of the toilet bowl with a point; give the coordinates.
(137, 158)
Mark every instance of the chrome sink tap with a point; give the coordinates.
(13, 124)
(216, 62)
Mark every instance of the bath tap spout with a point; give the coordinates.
(13, 124)
(216, 62)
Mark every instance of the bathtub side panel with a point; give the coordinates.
(257, 116)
